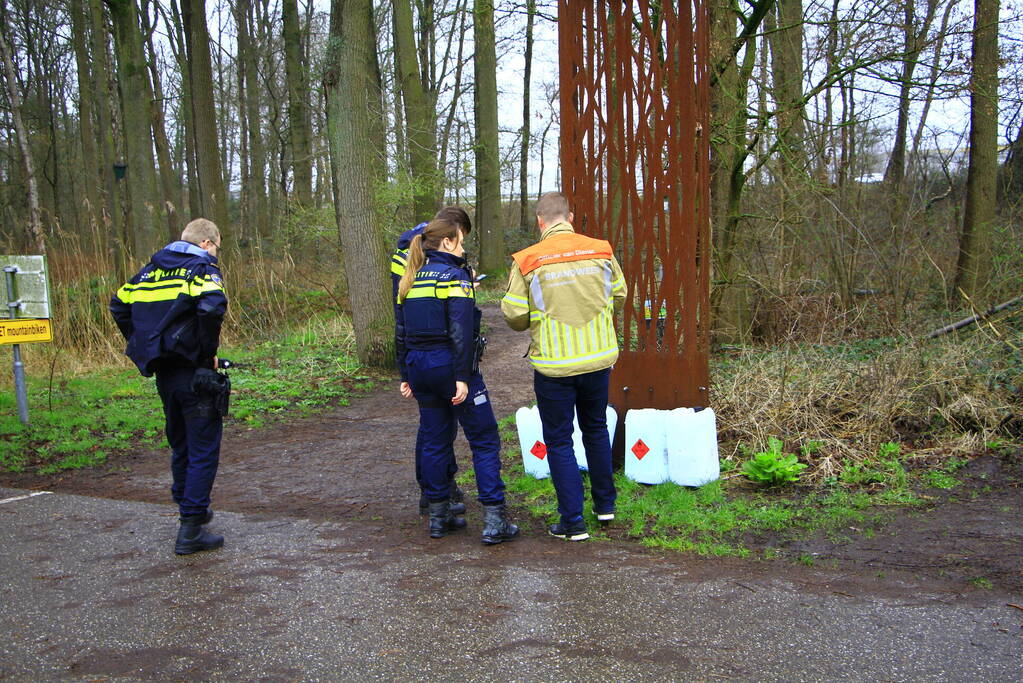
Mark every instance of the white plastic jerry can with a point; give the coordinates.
(692, 446)
(577, 437)
(646, 459)
(534, 450)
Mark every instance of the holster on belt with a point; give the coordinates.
(214, 386)
(479, 343)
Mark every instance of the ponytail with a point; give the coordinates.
(416, 259)
(432, 236)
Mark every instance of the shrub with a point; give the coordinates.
(772, 467)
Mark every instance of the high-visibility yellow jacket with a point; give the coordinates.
(565, 289)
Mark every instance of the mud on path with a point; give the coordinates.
(355, 463)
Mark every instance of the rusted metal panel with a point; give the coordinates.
(635, 166)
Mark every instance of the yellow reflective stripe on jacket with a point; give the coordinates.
(124, 294)
(561, 344)
(202, 285)
(398, 262)
(164, 288)
(151, 291)
(513, 300)
(541, 362)
(433, 289)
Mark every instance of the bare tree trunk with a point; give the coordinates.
(357, 144)
(420, 114)
(246, 201)
(178, 45)
(932, 81)
(212, 197)
(525, 221)
(457, 93)
(226, 139)
(298, 103)
(914, 42)
(1010, 175)
(135, 103)
(974, 266)
(92, 173)
(787, 76)
(119, 243)
(405, 210)
(257, 188)
(729, 152)
(488, 170)
(35, 223)
(168, 179)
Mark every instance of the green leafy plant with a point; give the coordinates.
(773, 466)
(889, 450)
(810, 447)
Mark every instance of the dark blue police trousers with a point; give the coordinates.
(194, 428)
(586, 395)
(434, 385)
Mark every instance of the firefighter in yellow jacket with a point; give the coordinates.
(565, 289)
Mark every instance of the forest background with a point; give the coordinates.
(867, 177)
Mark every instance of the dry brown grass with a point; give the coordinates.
(936, 397)
(267, 296)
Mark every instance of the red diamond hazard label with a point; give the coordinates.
(640, 449)
(539, 450)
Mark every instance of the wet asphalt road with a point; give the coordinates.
(90, 590)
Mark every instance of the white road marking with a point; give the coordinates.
(31, 495)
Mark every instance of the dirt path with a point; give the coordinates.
(355, 464)
(351, 462)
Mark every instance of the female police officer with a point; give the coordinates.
(437, 325)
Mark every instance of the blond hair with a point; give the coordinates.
(433, 234)
(552, 206)
(199, 230)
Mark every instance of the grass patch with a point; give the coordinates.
(733, 517)
(84, 420)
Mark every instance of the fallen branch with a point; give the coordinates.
(974, 318)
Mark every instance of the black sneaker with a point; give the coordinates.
(605, 517)
(576, 531)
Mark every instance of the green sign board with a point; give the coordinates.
(31, 289)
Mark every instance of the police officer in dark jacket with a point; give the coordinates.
(398, 262)
(171, 313)
(437, 328)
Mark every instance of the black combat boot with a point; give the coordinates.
(456, 508)
(442, 521)
(496, 527)
(456, 493)
(192, 537)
